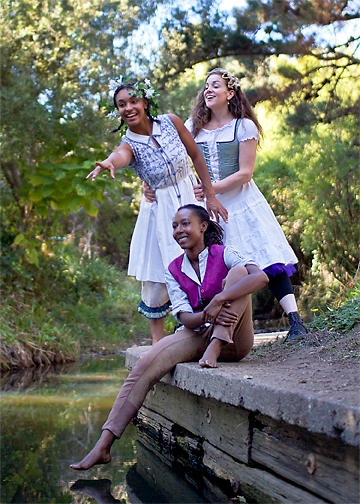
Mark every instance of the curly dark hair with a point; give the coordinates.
(239, 105)
(214, 233)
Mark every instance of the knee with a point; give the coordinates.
(235, 274)
(144, 361)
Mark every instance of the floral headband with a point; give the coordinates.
(232, 82)
(140, 89)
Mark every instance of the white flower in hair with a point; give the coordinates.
(147, 82)
(149, 92)
(114, 114)
(115, 83)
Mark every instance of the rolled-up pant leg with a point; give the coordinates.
(183, 346)
(240, 336)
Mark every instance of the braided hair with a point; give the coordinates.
(239, 105)
(129, 86)
(214, 232)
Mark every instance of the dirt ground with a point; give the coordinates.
(324, 364)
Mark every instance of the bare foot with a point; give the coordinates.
(100, 454)
(210, 357)
(96, 456)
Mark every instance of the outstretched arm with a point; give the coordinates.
(120, 158)
(214, 207)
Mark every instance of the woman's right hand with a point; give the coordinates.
(100, 167)
(149, 193)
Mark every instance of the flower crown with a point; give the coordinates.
(140, 89)
(232, 82)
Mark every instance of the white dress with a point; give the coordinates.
(252, 228)
(166, 168)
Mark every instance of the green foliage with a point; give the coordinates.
(254, 33)
(52, 84)
(342, 316)
(309, 177)
(70, 304)
(115, 221)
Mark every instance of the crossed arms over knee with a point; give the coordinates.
(240, 281)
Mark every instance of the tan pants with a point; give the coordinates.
(184, 346)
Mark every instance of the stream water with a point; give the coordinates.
(52, 418)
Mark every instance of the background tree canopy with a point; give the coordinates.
(298, 62)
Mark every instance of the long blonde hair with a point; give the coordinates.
(239, 105)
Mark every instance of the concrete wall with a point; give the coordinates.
(264, 443)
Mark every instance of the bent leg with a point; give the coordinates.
(241, 333)
(232, 343)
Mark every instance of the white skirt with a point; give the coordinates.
(152, 245)
(252, 227)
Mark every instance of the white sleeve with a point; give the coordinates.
(179, 300)
(233, 258)
(247, 131)
(189, 124)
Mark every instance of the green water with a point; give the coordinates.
(51, 419)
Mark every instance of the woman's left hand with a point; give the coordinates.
(216, 209)
(226, 317)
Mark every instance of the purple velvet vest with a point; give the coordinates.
(216, 271)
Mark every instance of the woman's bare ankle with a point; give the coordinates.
(211, 354)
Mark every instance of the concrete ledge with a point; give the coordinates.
(239, 385)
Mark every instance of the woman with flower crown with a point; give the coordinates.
(227, 132)
(157, 149)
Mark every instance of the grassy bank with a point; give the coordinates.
(70, 306)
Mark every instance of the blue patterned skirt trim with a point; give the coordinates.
(154, 313)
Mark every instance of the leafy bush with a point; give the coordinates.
(342, 316)
(70, 305)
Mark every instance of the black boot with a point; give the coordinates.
(297, 328)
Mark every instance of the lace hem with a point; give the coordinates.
(154, 313)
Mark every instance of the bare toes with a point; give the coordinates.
(90, 460)
(207, 364)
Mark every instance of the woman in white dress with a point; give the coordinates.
(227, 132)
(157, 150)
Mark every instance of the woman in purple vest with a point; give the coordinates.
(210, 288)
